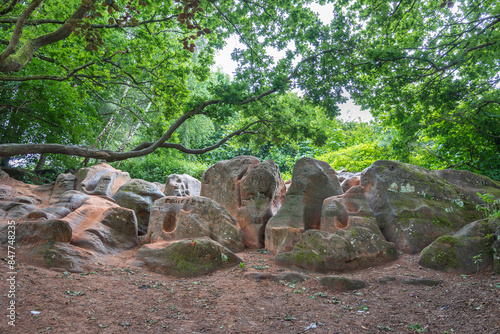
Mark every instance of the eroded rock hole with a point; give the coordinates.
(169, 222)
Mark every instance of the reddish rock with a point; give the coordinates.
(187, 257)
(251, 191)
(64, 182)
(100, 180)
(174, 218)
(138, 195)
(182, 185)
(312, 182)
(101, 225)
(33, 233)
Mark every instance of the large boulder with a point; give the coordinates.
(17, 207)
(469, 250)
(174, 218)
(188, 257)
(100, 180)
(102, 226)
(33, 233)
(312, 182)
(138, 195)
(349, 179)
(68, 202)
(414, 206)
(348, 249)
(182, 186)
(60, 256)
(251, 191)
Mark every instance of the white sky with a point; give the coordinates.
(349, 111)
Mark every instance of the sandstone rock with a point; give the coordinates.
(139, 196)
(350, 249)
(348, 210)
(312, 182)
(103, 226)
(414, 206)
(349, 239)
(188, 257)
(6, 191)
(69, 201)
(342, 284)
(14, 209)
(64, 182)
(174, 218)
(293, 277)
(32, 233)
(467, 251)
(160, 186)
(468, 184)
(60, 256)
(182, 186)
(251, 191)
(349, 179)
(100, 180)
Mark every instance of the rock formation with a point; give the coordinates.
(182, 185)
(312, 182)
(251, 191)
(468, 251)
(174, 218)
(414, 206)
(139, 196)
(100, 180)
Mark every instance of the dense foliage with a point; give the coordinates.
(131, 80)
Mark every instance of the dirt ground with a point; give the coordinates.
(120, 297)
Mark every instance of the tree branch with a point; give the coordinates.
(16, 34)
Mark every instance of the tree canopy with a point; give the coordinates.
(118, 79)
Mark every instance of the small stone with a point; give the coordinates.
(259, 276)
(291, 276)
(421, 281)
(342, 284)
(385, 279)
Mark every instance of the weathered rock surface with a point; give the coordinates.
(138, 195)
(64, 182)
(103, 226)
(413, 206)
(467, 251)
(312, 182)
(251, 191)
(348, 210)
(188, 257)
(17, 207)
(349, 238)
(349, 249)
(100, 180)
(182, 186)
(60, 256)
(496, 251)
(349, 179)
(68, 202)
(33, 233)
(174, 218)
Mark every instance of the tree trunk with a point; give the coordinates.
(41, 162)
